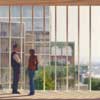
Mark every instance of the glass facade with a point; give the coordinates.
(24, 26)
(61, 37)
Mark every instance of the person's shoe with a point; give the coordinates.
(31, 93)
(16, 92)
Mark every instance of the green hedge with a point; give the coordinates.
(94, 82)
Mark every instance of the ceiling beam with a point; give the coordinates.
(49, 2)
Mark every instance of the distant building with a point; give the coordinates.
(62, 53)
(95, 71)
(5, 41)
(41, 43)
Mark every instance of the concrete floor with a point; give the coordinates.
(71, 95)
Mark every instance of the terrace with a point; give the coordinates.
(65, 36)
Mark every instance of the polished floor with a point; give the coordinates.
(41, 95)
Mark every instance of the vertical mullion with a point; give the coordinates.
(67, 82)
(44, 47)
(0, 57)
(90, 47)
(55, 48)
(9, 30)
(21, 39)
(33, 26)
(78, 47)
(24, 51)
(49, 39)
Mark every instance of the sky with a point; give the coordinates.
(84, 30)
(73, 28)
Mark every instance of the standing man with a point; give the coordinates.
(15, 63)
(32, 67)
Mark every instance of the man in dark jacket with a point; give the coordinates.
(15, 63)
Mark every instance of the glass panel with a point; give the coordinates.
(4, 45)
(5, 78)
(61, 23)
(58, 59)
(15, 11)
(52, 23)
(39, 48)
(49, 73)
(84, 49)
(28, 37)
(28, 40)
(26, 58)
(4, 27)
(38, 24)
(47, 12)
(47, 25)
(28, 26)
(73, 38)
(23, 69)
(27, 11)
(39, 78)
(28, 46)
(38, 11)
(60, 48)
(42, 48)
(95, 68)
(15, 29)
(4, 11)
(15, 20)
(4, 60)
(41, 36)
(16, 41)
(52, 46)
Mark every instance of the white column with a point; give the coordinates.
(21, 48)
(9, 30)
(24, 54)
(67, 81)
(44, 47)
(55, 48)
(78, 48)
(33, 26)
(49, 38)
(0, 55)
(90, 48)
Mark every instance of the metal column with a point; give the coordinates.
(55, 48)
(44, 72)
(67, 75)
(21, 48)
(90, 48)
(78, 48)
(9, 47)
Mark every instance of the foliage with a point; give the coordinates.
(94, 82)
(50, 77)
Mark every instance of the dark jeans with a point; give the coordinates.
(16, 73)
(31, 80)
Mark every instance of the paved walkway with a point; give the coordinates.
(41, 95)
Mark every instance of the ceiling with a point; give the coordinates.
(49, 2)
